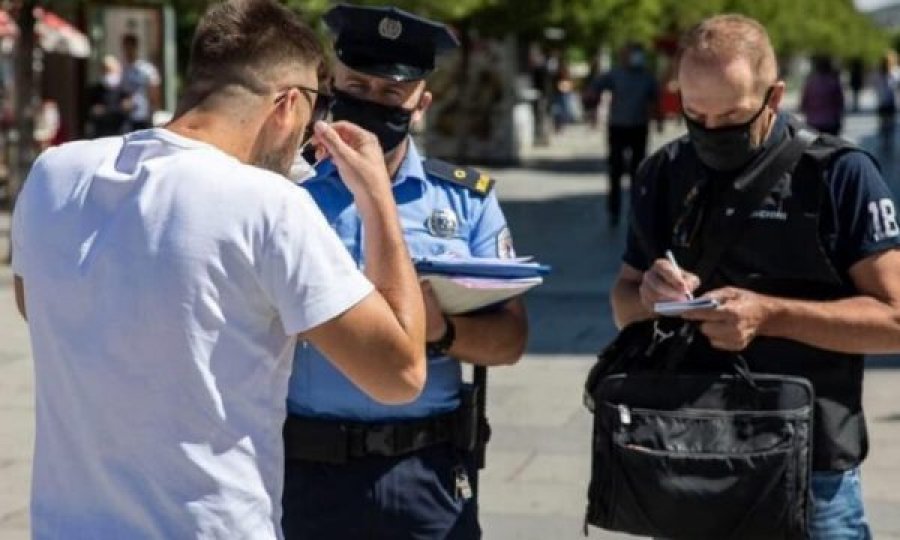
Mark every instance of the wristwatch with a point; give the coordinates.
(442, 345)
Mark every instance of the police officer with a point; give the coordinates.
(355, 468)
(810, 287)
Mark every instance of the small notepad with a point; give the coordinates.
(677, 308)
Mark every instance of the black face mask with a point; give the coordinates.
(389, 124)
(725, 148)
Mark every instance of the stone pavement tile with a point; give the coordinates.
(571, 470)
(518, 527)
(16, 435)
(883, 519)
(533, 499)
(16, 474)
(14, 526)
(504, 465)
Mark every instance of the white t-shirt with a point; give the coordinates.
(165, 282)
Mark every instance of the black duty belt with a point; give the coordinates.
(335, 441)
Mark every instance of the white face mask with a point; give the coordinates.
(300, 170)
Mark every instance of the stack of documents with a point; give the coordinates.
(462, 285)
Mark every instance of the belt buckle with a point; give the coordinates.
(380, 440)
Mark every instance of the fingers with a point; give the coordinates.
(665, 282)
(661, 289)
(356, 137)
(692, 281)
(332, 142)
(724, 336)
(679, 280)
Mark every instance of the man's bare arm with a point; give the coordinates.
(379, 343)
(496, 338)
(868, 323)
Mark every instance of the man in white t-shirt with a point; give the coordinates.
(165, 280)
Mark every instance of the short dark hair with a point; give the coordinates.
(130, 40)
(239, 42)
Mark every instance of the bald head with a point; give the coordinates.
(721, 40)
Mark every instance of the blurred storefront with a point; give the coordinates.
(71, 43)
(152, 22)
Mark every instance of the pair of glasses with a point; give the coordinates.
(320, 103)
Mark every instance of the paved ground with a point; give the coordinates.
(538, 461)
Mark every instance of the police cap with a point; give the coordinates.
(387, 42)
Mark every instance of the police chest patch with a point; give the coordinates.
(442, 223)
(505, 249)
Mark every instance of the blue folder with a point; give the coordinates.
(492, 268)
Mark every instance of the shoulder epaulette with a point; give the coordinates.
(466, 177)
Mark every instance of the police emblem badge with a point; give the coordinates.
(442, 223)
(390, 28)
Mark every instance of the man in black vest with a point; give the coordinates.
(810, 287)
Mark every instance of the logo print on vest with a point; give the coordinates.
(773, 205)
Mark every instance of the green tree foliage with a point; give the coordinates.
(796, 26)
(829, 26)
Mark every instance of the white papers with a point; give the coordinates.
(460, 294)
(677, 308)
(464, 284)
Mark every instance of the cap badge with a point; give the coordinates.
(442, 223)
(390, 28)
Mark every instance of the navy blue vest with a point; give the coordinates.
(785, 249)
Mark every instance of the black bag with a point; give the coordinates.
(711, 455)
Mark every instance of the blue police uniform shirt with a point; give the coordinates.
(864, 210)
(317, 388)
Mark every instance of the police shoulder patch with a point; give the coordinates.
(467, 177)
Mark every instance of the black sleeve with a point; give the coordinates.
(865, 210)
(640, 248)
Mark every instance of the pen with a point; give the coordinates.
(672, 260)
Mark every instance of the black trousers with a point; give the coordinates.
(630, 140)
(411, 497)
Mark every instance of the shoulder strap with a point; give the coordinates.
(748, 192)
(466, 177)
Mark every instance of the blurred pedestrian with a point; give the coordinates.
(634, 102)
(47, 125)
(562, 108)
(822, 101)
(166, 277)
(105, 98)
(857, 72)
(540, 81)
(590, 100)
(886, 82)
(140, 82)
